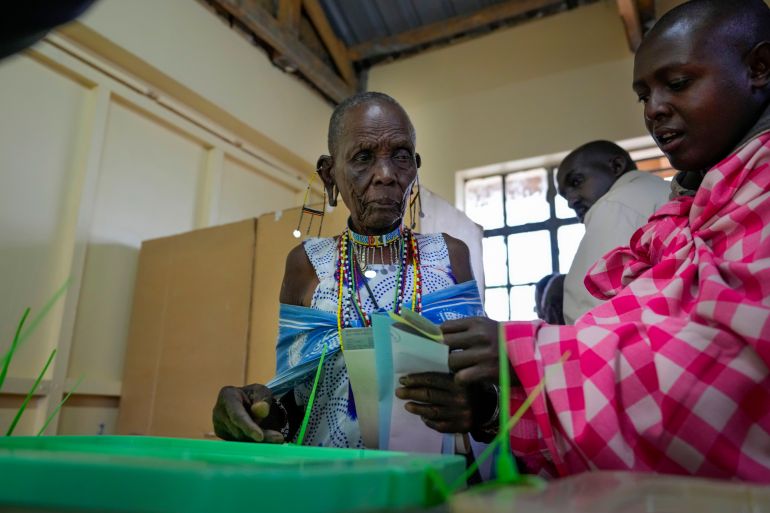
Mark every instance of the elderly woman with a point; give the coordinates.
(376, 264)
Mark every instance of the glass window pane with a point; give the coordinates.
(496, 303)
(529, 256)
(484, 201)
(568, 238)
(526, 199)
(523, 303)
(495, 270)
(562, 208)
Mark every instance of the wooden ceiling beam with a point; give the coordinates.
(289, 14)
(288, 46)
(336, 48)
(446, 28)
(632, 21)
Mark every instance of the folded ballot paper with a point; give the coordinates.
(376, 358)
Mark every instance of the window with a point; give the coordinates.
(526, 224)
(529, 230)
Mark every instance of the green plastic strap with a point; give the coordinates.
(29, 395)
(504, 433)
(9, 355)
(58, 406)
(439, 485)
(309, 407)
(506, 464)
(38, 318)
(499, 437)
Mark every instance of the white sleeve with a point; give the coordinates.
(611, 225)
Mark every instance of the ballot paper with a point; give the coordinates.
(376, 358)
(359, 360)
(413, 353)
(383, 357)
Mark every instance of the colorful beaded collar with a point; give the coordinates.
(375, 240)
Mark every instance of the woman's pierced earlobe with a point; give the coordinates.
(333, 194)
(324, 169)
(324, 163)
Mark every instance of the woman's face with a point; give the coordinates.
(375, 166)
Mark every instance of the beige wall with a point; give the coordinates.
(535, 89)
(183, 48)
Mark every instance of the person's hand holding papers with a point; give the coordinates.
(473, 351)
(462, 401)
(441, 403)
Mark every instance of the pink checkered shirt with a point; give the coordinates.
(671, 373)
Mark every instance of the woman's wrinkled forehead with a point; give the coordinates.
(375, 121)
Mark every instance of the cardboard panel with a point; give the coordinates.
(189, 329)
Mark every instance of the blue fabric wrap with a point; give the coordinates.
(302, 331)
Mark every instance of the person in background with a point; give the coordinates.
(600, 182)
(553, 300)
(539, 289)
(549, 297)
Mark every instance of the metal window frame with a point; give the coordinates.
(552, 225)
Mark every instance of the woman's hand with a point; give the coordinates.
(441, 403)
(248, 414)
(444, 405)
(473, 350)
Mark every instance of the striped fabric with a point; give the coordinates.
(671, 373)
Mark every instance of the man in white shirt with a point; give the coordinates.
(600, 182)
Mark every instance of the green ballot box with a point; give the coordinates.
(148, 474)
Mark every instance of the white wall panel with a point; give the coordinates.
(244, 193)
(147, 189)
(41, 111)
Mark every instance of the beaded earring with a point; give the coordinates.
(312, 212)
(415, 203)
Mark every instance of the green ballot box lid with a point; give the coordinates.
(150, 474)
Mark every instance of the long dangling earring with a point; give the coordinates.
(415, 204)
(323, 211)
(312, 212)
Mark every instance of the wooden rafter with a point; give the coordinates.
(446, 28)
(336, 48)
(289, 14)
(632, 21)
(288, 46)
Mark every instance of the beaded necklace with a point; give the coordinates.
(349, 276)
(366, 246)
